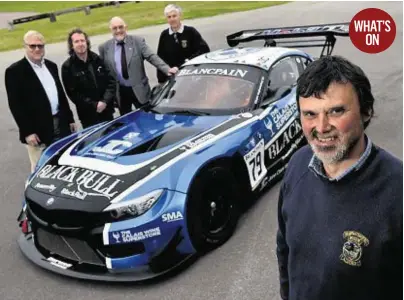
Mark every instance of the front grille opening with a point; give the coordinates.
(122, 250)
(70, 248)
(67, 218)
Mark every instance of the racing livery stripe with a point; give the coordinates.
(112, 168)
(209, 137)
(202, 139)
(52, 156)
(85, 183)
(105, 236)
(108, 263)
(264, 113)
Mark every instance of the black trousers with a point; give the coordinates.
(61, 128)
(127, 98)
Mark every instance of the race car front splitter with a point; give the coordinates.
(27, 246)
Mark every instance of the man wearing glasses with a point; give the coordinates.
(124, 55)
(36, 99)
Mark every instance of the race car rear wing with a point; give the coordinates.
(328, 31)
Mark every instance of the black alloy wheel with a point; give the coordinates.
(213, 208)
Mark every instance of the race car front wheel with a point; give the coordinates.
(213, 208)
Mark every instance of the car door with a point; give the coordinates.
(280, 127)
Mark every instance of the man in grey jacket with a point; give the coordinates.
(124, 55)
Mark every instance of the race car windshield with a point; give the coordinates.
(192, 89)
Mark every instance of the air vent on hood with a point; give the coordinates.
(166, 139)
(97, 135)
(145, 147)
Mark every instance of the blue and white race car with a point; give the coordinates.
(135, 197)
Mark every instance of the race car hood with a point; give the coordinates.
(99, 166)
(139, 134)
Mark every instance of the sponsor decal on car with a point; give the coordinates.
(131, 135)
(46, 187)
(288, 135)
(282, 115)
(130, 236)
(255, 164)
(75, 194)
(212, 71)
(281, 146)
(58, 263)
(268, 179)
(113, 147)
(117, 237)
(323, 28)
(269, 124)
(277, 118)
(171, 217)
(193, 144)
(259, 90)
(230, 53)
(80, 182)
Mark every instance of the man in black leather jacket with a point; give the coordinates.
(87, 81)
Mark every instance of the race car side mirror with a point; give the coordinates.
(155, 90)
(270, 43)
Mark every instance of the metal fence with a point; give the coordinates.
(52, 15)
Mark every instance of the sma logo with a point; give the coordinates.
(173, 216)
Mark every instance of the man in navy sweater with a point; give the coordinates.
(340, 208)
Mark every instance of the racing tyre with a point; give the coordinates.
(213, 208)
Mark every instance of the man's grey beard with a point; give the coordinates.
(338, 154)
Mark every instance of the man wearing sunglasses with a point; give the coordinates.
(124, 55)
(36, 99)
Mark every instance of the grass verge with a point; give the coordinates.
(136, 15)
(40, 6)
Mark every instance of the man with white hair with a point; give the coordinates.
(179, 42)
(124, 55)
(36, 98)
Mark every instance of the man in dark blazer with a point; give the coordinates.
(124, 55)
(36, 99)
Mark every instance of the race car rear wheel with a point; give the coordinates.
(213, 208)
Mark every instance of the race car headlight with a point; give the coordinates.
(134, 207)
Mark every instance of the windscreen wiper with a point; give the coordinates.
(190, 112)
(153, 110)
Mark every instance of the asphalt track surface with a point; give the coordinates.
(245, 267)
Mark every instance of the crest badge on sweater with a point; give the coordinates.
(184, 43)
(352, 250)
